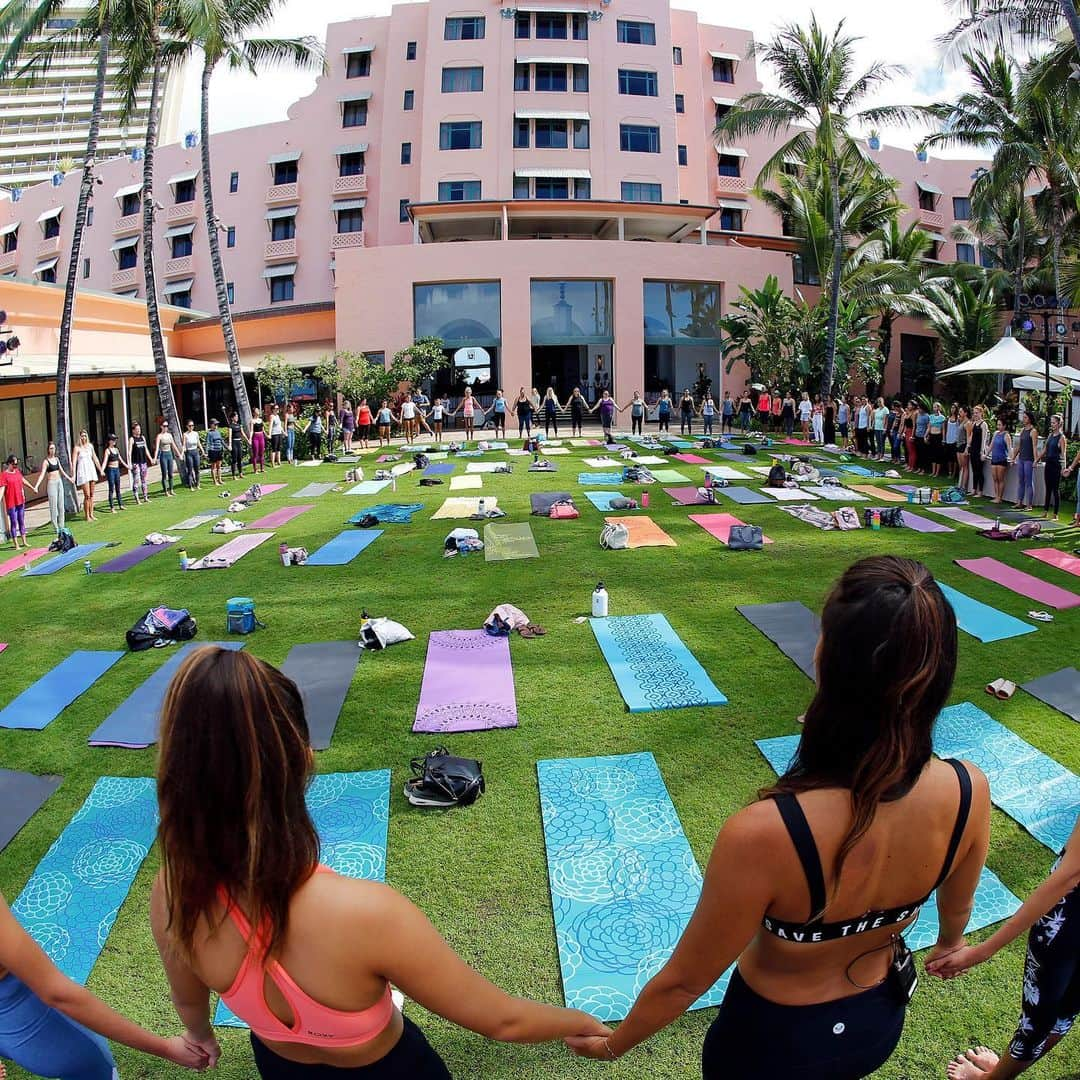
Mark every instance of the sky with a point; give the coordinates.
(901, 33)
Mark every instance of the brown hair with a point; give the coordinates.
(885, 664)
(233, 767)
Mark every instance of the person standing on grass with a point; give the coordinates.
(607, 408)
(408, 419)
(551, 412)
(894, 431)
(764, 403)
(776, 407)
(314, 432)
(1068, 471)
(963, 438)
(56, 474)
(746, 411)
(257, 442)
(384, 417)
(880, 422)
(330, 425)
(87, 472)
(1023, 454)
(139, 456)
(348, 426)
(215, 452)
(1000, 452)
(578, 408)
(637, 414)
(952, 426)
(809, 889)
(843, 415)
(708, 415)
(277, 436)
(112, 460)
(51, 1026)
(806, 411)
(13, 482)
(192, 455)
(290, 433)
(523, 407)
(237, 438)
(363, 424)
(935, 439)
(469, 408)
(817, 420)
(978, 448)
(1054, 452)
(828, 427)
(663, 411)
(1051, 987)
(686, 413)
(727, 414)
(922, 425)
(438, 412)
(304, 955)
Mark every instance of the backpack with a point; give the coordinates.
(161, 626)
(563, 509)
(892, 517)
(777, 477)
(623, 503)
(421, 461)
(442, 780)
(615, 536)
(749, 449)
(846, 518)
(952, 495)
(429, 481)
(64, 541)
(706, 495)
(368, 521)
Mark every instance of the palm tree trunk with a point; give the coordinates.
(834, 284)
(63, 434)
(1072, 17)
(1018, 288)
(885, 329)
(232, 352)
(153, 315)
(1055, 255)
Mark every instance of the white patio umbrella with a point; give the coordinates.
(1038, 382)
(1007, 357)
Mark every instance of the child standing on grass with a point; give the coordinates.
(13, 483)
(385, 416)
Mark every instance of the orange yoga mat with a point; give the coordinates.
(879, 493)
(644, 532)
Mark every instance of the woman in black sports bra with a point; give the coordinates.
(810, 888)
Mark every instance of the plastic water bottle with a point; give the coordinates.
(997, 526)
(87, 567)
(183, 558)
(283, 551)
(481, 505)
(600, 602)
(708, 479)
(644, 499)
(875, 520)
(911, 495)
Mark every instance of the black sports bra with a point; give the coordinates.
(816, 929)
(52, 464)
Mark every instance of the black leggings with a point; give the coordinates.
(845, 1039)
(1052, 480)
(551, 420)
(412, 1058)
(686, 425)
(236, 458)
(635, 424)
(977, 479)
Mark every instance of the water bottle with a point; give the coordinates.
(875, 521)
(183, 558)
(481, 505)
(283, 551)
(393, 480)
(911, 495)
(997, 526)
(600, 602)
(708, 479)
(87, 567)
(644, 499)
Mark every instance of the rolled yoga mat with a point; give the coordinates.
(324, 672)
(134, 723)
(1060, 560)
(623, 878)
(21, 796)
(196, 521)
(76, 554)
(132, 558)
(1042, 592)
(40, 704)
(280, 517)
(720, 525)
(743, 495)
(313, 491)
(651, 666)
(541, 502)
(1036, 791)
(388, 513)
(792, 627)
(21, 561)
(503, 542)
(70, 902)
(993, 901)
(981, 620)
(468, 683)
(350, 812)
(1060, 690)
(343, 548)
(228, 554)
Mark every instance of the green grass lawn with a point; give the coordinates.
(480, 873)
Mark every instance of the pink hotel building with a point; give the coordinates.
(538, 185)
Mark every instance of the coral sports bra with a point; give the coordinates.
(313, 1024)
(816, 929)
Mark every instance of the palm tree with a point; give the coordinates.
(1030, 22)
(965, 315)
(220, 32)
(818, 104)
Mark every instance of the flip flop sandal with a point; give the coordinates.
(1042, 616)
(526, 631)
(538, 631)
(994, 688)
(1006, 689)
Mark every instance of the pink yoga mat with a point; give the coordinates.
(224, 556)
(267, 489)
(1025, 584)
(468, 683)
(691, 459)
(280, 517)
(719, 525)
(21, 562)
(685, 496)
(1060, 559)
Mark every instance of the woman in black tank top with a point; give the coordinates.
(809, 888)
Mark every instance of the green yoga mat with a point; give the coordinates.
(503, 542)
(669, 476)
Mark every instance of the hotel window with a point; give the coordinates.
(676, 55)
(581, 134)
(181, 299)
(637, 83)
(550, 26)
(403, 210)
(127, 258)
(639, 138)
(581, 79)
(86, 268)
(728, 165)
(284, 227)
(51, 227)
(551, 77)
(406, 153)
(552, 187)
(521, 187)
(722, 111)
(460, 135)
(934, 253)
(181, 246)
(351, 163)
(723, 70)
(927, 199)
(731, 220)
(637, 192)
(961, 208)
(281, 289)
(48, 275)
(354, 114)
(410, 50)
(461, 80)
(632, 32)
(466, 29)
(11, 241)
(579, 22)
(185, 191)
(522, 25)
(459, 191)
(234, 183)
(358, 65)
(286, 172)
(680, 103)
(521, 134)
(230, 236)
(230, 291)
(89, 216)
(965, 253)
(803, 274)
(350, 220)
(550, 134)
(408, 100)
(682, 154)
(521, 76)
(130, 204)
(582, 188)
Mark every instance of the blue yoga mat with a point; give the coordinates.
(993, 902)
(743, 495)
(623, 878)
(343, 548)
(440, 468)
(71, 901)
(600, 479)
(351, 811)
(368, 487)
(981, 620)
(40, 704)
(389, 513)
(134, 723)
(602, 500)
(858, 470)
(76, 554)
(652, 667)
(1034, 790)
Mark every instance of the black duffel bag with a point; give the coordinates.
(440, 779)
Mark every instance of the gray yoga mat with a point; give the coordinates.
(1060, 691)
(21, 796)
(323, 671)
(789, 625)
(743, 495)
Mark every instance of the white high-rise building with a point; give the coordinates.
(43, 128)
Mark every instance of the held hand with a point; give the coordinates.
(207, 1045)
(954, 963)
(939, 952)
(180, 1052)
(589, 1046)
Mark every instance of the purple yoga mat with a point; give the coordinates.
(917, 523)
(1033, 588)
(468, 683)
(685, 496)
(965, 517)
(279, 517)
(131, 558)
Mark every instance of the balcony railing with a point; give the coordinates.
(131, 223)
(283, 193)
(731, 185)
(350, 185)
(180, 267)
(123, 279)
(9, 261)
(184, 211)
(280, 249)
(931, 219)
(49, 247)
(346, 240)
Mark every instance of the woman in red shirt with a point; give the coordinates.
(13, 481)
(763, 404)
(363, 423)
